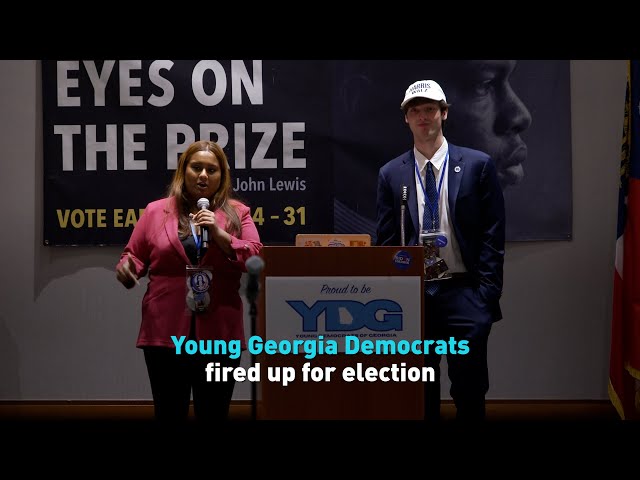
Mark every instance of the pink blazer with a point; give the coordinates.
(156, 249)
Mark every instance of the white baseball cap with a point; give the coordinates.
(425, 89)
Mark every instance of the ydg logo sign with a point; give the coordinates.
(362, 315)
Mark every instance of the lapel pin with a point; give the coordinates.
(457, 169)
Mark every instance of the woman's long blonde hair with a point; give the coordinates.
(222, 198)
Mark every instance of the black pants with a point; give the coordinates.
(174, 377)
(457, 311)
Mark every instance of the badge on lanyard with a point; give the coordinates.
(435, 268)
(198, 288)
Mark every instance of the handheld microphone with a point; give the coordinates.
(203, 204)
(403, 208)
(254, 265)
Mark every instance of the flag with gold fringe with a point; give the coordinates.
(624, 362)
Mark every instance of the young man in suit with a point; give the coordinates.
(453, 195)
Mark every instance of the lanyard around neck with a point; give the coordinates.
(196, 238)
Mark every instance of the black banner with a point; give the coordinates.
(304, 139)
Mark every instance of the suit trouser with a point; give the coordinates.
(457, 311)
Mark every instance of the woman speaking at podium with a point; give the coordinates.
(193, 244)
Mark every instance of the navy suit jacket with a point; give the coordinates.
(476, 207)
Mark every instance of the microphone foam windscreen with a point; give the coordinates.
(254, 265)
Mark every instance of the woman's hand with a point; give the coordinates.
(125, 275)
(205, 218)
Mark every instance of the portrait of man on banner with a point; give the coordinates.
(496, 103)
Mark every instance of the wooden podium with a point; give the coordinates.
(288, 271)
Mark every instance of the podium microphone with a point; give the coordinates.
(203, 204)
(403, 209)
(254, 265)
